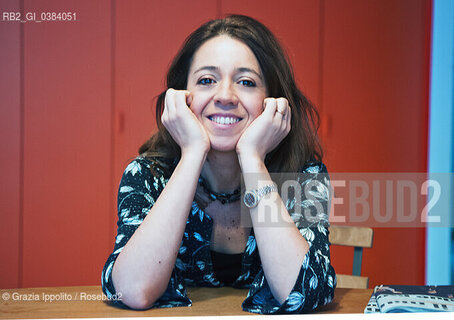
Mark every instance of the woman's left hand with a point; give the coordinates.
(267, 130)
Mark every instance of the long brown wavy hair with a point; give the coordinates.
(299, 146)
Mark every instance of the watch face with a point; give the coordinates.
(250, 199)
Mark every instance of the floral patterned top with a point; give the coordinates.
(143, 181)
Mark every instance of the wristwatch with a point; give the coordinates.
(252, 197)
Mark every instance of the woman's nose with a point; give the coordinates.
(226, 95)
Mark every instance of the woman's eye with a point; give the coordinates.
(205, 81)
(247, 83)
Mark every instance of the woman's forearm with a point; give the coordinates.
(143, 269)
(281, 246)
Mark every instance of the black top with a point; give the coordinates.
(227, 267)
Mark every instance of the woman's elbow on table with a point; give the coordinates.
(135, 295)
(140, 299)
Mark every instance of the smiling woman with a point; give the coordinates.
(232, 112)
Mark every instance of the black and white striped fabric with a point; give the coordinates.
(393, 298)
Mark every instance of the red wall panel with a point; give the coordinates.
(375, 89)
(67, 160)
(375, 71)
(10, 156)
(148, 35)
(365, 65)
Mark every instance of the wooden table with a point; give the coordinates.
(86, 302)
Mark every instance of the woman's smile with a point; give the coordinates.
(224, 121)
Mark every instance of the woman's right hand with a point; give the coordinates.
(182, 124)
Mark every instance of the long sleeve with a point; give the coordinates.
(316, 280)
(138, 191)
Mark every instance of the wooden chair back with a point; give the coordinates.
(359, 238)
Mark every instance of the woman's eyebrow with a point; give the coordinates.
(241, 69)
(209, 68)
(244, 69)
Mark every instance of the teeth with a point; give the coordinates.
(225, 120)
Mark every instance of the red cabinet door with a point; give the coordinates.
(10, 142)
(148, 35)
(365, 64)
(67, 143)
(375, 93)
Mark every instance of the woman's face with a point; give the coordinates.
(228, 89)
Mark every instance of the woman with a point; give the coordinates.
(232, 114)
